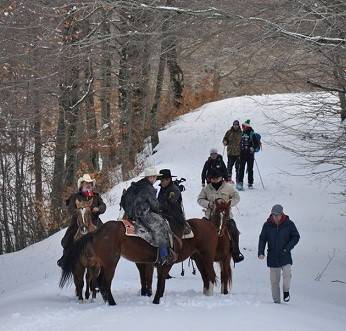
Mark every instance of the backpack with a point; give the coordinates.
(256, 140)
(127, 199)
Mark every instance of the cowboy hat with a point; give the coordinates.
(85, 178)
(151, 171)
(165, 173)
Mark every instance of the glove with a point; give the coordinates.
(203, 184)
(211, 205)
(252, 150)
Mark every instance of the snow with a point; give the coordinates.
(31, 300)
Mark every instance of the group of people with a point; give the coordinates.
(141, 204)
(241, 143)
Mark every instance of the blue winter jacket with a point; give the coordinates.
(281, 239)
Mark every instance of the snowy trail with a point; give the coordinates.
(31, 300)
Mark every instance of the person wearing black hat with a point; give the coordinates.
(216, 189)
(232, 141)
(281, 235)
(170, 199)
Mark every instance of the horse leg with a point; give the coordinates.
(142, 268)
(200, 266)
(149, 272)
(78, 276)
(87, 280)
(108, 274)
(208, 265)
(96, 272)
(162, 272)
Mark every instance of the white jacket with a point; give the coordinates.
(226, 192)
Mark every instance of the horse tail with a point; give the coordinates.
(73, 255)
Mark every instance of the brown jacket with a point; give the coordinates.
(232, 141)
(226, 191)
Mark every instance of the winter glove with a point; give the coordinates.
(211, 205)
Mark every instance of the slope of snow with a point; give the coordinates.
(31, 300)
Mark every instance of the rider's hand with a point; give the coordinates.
(95, 209)
(211, 205)
(261, 257)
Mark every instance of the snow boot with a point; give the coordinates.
(286, 296)
(239, 186)
(250, 186)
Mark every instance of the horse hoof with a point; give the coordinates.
(149, 292)
(112, 303)
(156, 301)
(143, 292)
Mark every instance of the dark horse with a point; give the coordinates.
(85, 226)
(103, 248)
(219, 218)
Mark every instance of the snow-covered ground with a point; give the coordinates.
(31, 300)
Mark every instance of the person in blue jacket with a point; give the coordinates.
(281, 235)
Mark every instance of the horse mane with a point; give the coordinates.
(72, 257)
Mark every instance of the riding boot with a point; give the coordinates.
(234, 232)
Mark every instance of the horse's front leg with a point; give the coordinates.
(162, 272)
(78, 276)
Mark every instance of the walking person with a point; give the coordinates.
(232, 141)
(215, 161)
(281, 235)
(248, 144)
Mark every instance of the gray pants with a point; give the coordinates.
(275, 274)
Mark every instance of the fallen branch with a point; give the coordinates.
(330, 259)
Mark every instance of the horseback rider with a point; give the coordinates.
(214, 161)
(219, 189)
(146, 210)
(86, 192)
(170, 199)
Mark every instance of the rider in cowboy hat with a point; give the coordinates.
(86, 192)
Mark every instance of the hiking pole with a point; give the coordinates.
(259, 174)
(223, 153)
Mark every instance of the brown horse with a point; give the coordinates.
(219, 218)
(105, 246)
(85, 225)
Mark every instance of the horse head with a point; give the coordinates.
(84, 218)
(220, 214)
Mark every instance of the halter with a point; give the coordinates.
(222, 215)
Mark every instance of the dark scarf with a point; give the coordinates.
(216, 185)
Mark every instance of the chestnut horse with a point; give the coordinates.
(104, 248)
(219, 218)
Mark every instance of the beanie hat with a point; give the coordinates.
(277, 210)
(214, 173)
(213, 151)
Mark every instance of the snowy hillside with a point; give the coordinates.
(31, 300)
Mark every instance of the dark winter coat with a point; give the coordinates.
(72, 211)
(145, 199)
(281, 238)
(170, 201)
(248, 142)
(232, 141)
(214, 164)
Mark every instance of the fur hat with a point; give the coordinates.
(85, 178)
(277, 210)
(213, 151)
(151, 171)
